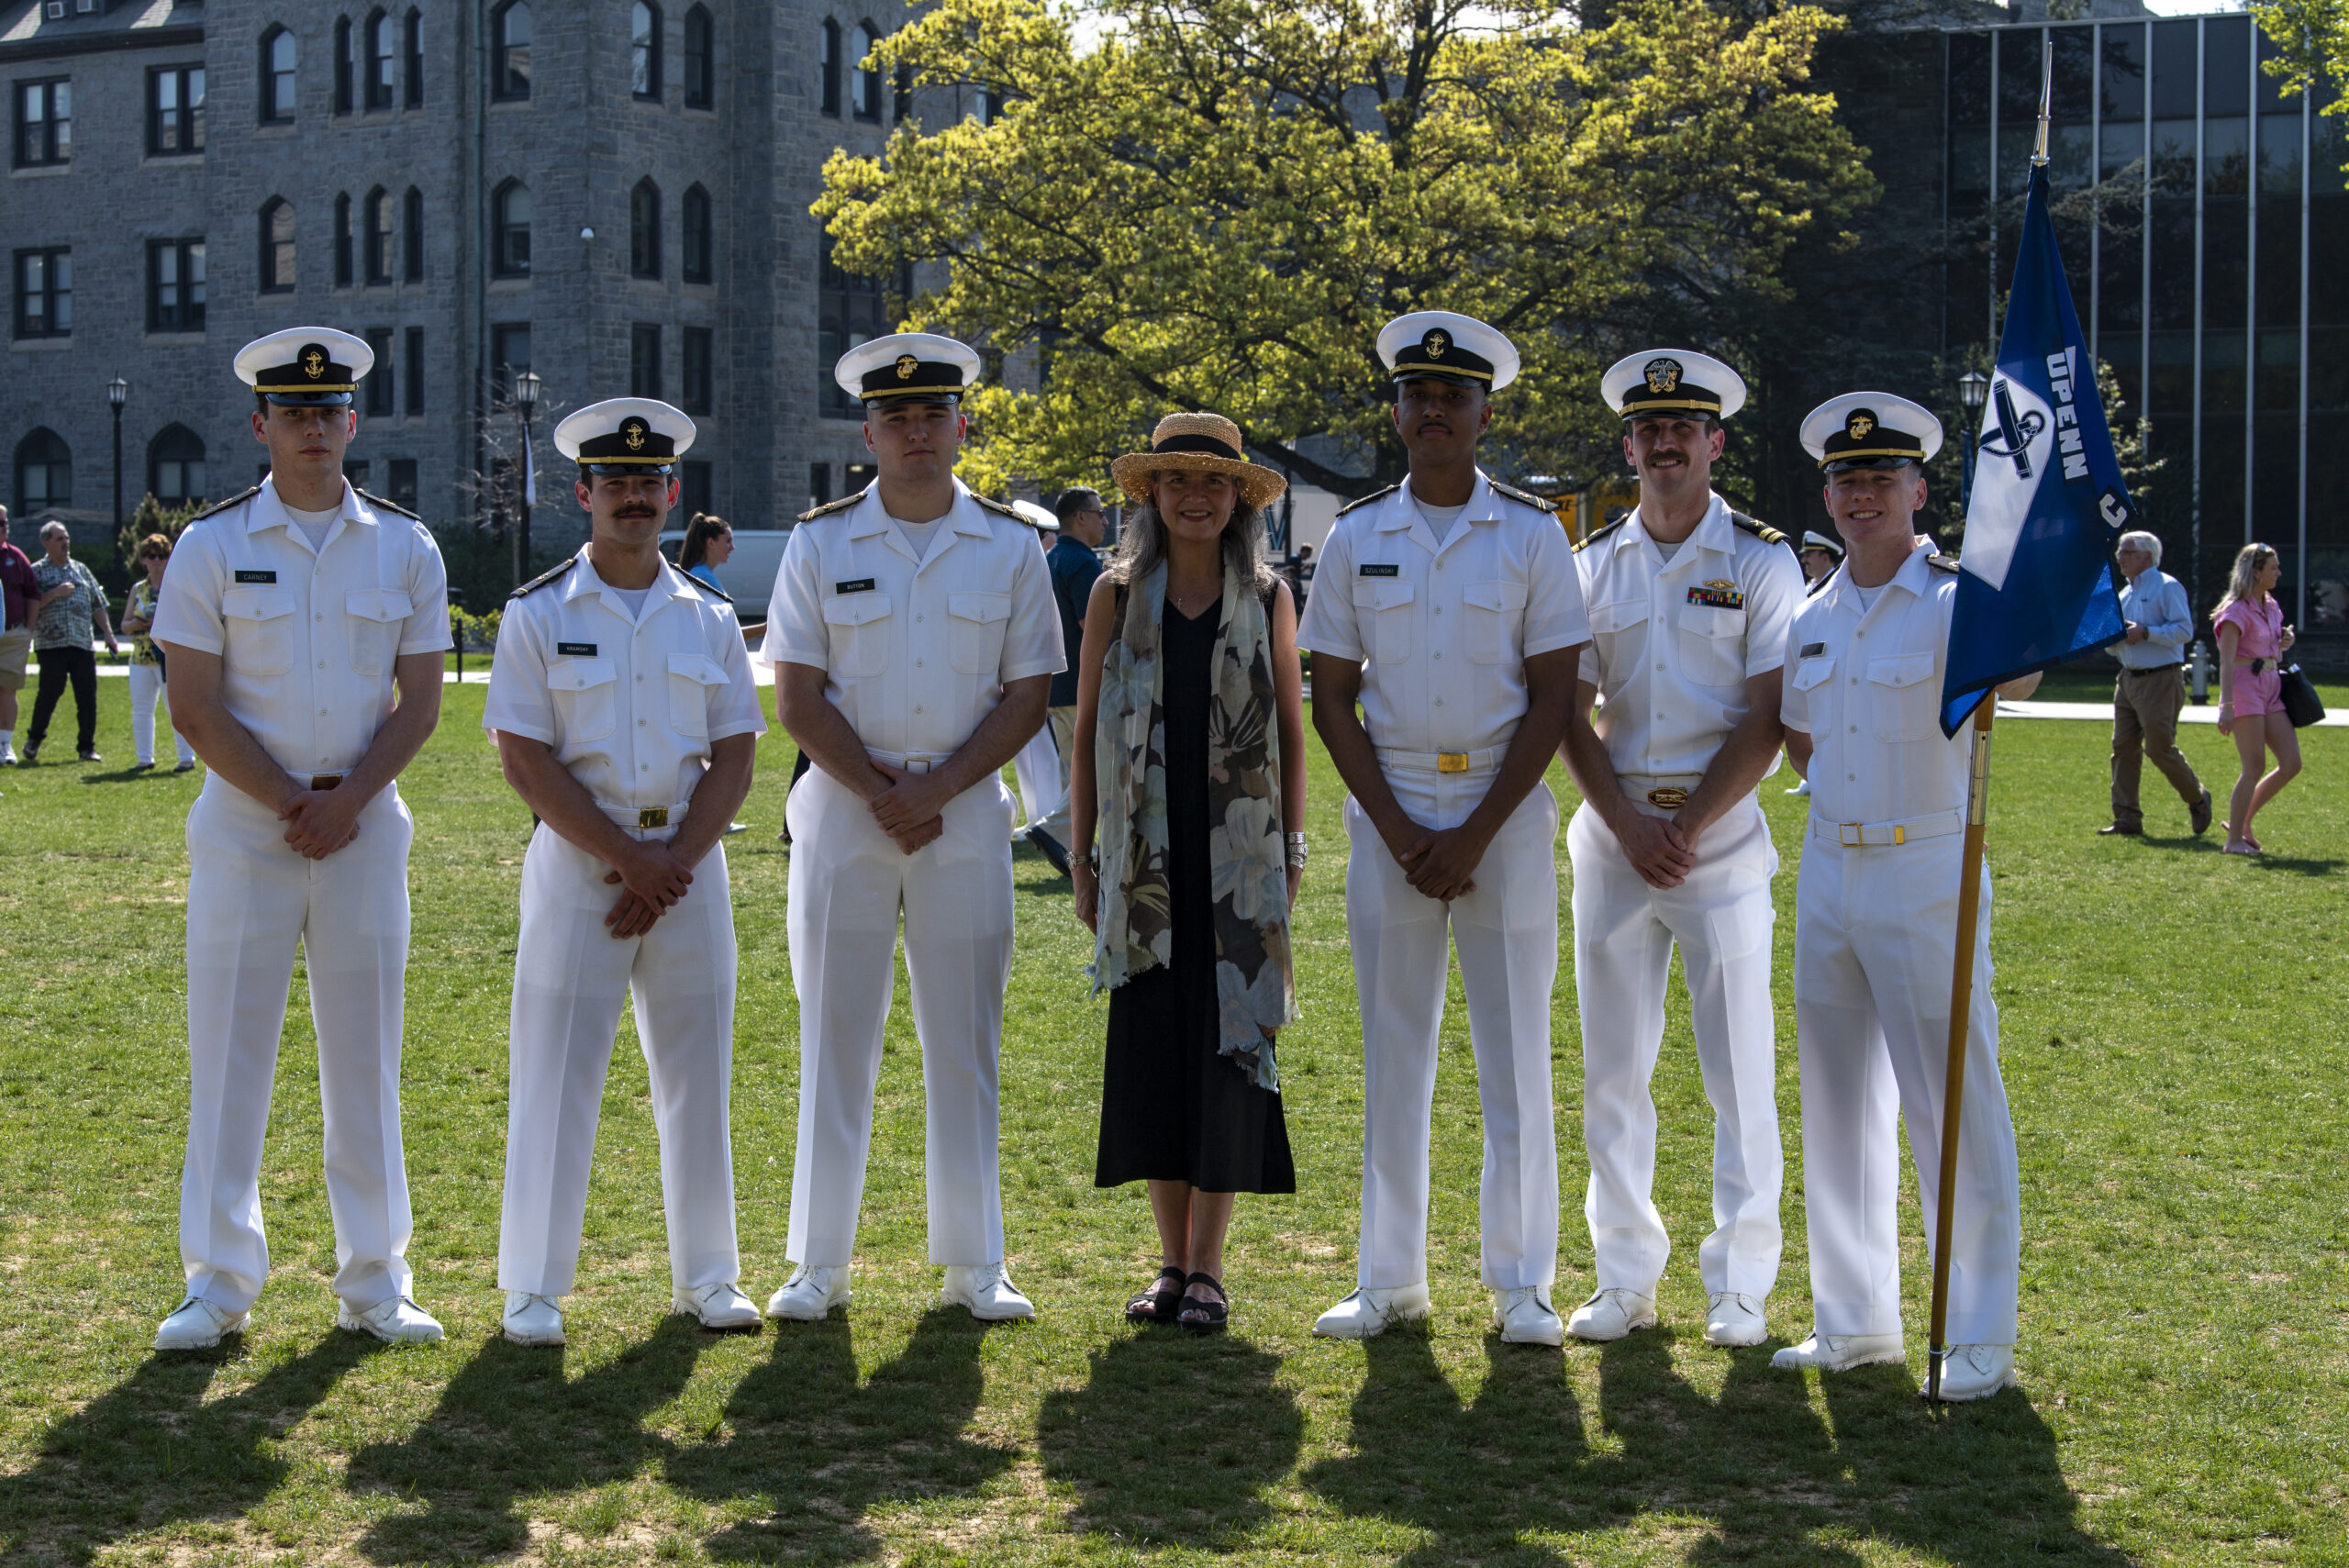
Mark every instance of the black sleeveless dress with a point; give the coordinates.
(1172, 1106)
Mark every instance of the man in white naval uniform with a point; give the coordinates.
(295, 612)
(624, 713)
(914, 636)
(1448, 608)
(1689, 606)
(1875, 923)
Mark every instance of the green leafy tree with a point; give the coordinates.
(152, 516)
(1218, 204)
(2312, 48)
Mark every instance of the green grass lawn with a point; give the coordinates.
(2175, 1048)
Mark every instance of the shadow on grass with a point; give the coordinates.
(814, 1452)
(1755, 1474)
(1172, 1440)
(510, 1425)
(153, 1451)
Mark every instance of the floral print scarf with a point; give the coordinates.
(1254, 982)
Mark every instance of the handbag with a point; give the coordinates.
(2301, 704)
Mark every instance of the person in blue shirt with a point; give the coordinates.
(2151, 687)
(1075, 562)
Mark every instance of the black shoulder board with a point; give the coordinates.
(383, 506)
(543, 578)
(829, 507)
(1004, 508)
(1366, 500)
(1760, 530)
(705, 587)
(1942, 563)
(1599, 533)
(224, 506)
(1524, 497)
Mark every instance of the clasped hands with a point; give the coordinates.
(911, 807)
(1660, 851)
(323, 820)
(1439, 862)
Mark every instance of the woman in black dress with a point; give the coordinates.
(1190, 759)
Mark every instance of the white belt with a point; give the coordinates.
(645, 816)
(1482, 762)
(1907, 831)
(912, 761)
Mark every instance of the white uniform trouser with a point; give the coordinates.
(1042, 788)
(146, 685)
(848, 885)
(570, 976)
(1876, 935)
(249, 899)
(1507, 933)
(1624, 932)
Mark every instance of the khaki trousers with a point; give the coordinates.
(2145, 705)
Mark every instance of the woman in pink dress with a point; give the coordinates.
(2252, 637)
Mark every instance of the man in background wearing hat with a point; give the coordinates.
(1875, 926)
(624, 713)
(1819, 556)
(1689, 605)
(1448, 608)
(913, 636)
(290, 616)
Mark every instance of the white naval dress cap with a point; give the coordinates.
(624, 435)
(1670, 381)
(920, 366)
(306, 366)
(1448, 345)
(1870, 429)
(1813, 539)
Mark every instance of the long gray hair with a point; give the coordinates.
(2243, 582)
(1141, 545)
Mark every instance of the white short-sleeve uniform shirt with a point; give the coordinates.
(915, 650)
(306, 637)
(1443, 630)
(1866, 686)
(630, 702)
(1674, 642)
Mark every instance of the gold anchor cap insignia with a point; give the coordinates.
(1664, 376)
(907, 365)
(314, 361)
(634, 432)
(1437, 341)
(1858, 426)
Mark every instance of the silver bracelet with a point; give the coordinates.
(1297, 851)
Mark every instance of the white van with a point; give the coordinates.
(748, 576)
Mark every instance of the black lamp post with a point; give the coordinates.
(1973, 390)
(118, 392)
(525, 397)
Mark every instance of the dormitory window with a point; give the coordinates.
(510, 218)
(868, 74)
(343, 241)
(379, 236)
(697, 392)
(44, 472)
(509, 355)
(175, 111)
(829, 67)
(277, 58)
(346, 66)
(848, 312)
(383, 60)
(697, 237)
(414, 60)
(510, 27)
(44, 122)
(644, 230)
(44, 293)
(415, 372)
(381, 382)
(400, 488)
(644, 360)
(644, 49)
(175, 466)
(412, 237)
(696, 488)
(277, 246)
(701, 64)
(905, 104)
(175, 285)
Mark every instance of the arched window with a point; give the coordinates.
(415, 42)
(380, 231)
(175, 466)
(44, 472)
(697, 237)
(277, 246)
(510, 34)
(510, 221)
(868, 74)
(346, 65)
(383, 60)
(644, 49)
(343, 241)
(278, 53)
(644, 230)
(701, 60)
(412, 237)
(828, 61)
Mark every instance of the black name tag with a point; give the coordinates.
(576, 650)
(854, 585)
(1718, 599)
(1373, 571)
(256, 576)
(1811, 650)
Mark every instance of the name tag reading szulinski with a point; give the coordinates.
(1720, 596)
(256, 576)
(854, 585)
(576, 650)
(1376, 570)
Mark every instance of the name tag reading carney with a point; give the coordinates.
(256, 576)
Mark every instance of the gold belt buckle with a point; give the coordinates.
(325, 781)
(1452, 762)
(652, 816)
(1852, 835)
(1669, 797)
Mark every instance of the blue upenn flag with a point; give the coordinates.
(2035, 585)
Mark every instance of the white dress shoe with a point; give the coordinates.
(987, 1290)
(811, 1294)
(1841, 1353)
(197, 1324)
(719, 1306)
(1366, 1314)
(1976, 1371)
(1612, 1314)
(531, 1319)
(1735, 1319)
(399, 1321)
(1525, 1316)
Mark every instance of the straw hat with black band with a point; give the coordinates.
(1192, 442)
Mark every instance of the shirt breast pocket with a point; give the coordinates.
(858, 626)
(259, 630)
(1906, 704)
(695, 680)
(1495, 613)
(1383, 607)
(376, 617)
(1619, 633)
(587, 705)
(977, 623)
(1713, 645)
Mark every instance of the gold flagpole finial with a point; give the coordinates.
(2046, 99)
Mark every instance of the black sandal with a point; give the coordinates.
(1157, 1306)
(1205, 1317)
